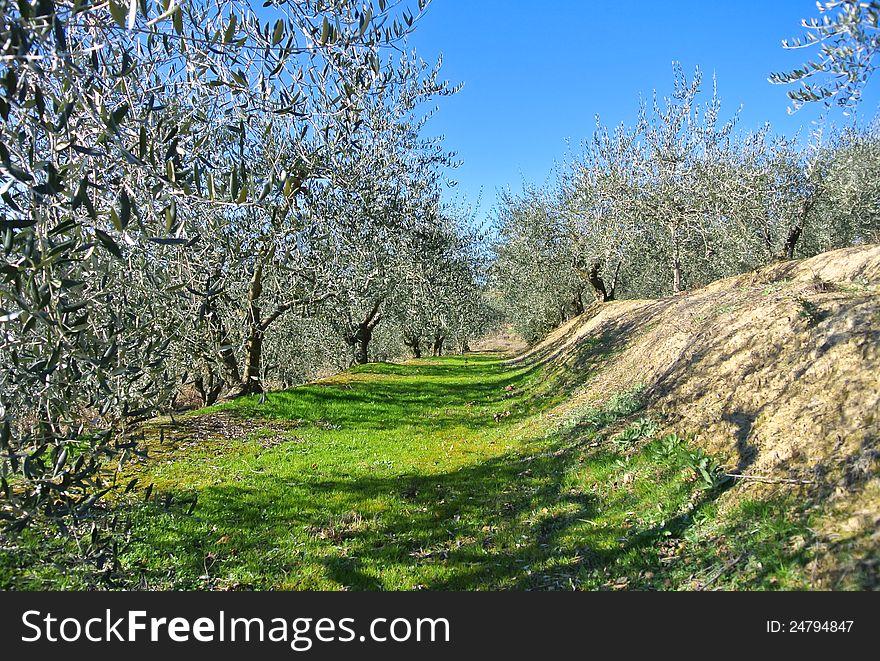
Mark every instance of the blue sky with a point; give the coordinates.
(535, 74)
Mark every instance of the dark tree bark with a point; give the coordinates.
(676, 275)
(360, 344)
(208, 385)
(768, 243)
(359, 339)
(794, 234)
(597, 283)
(578, 301)
(437, 347)
(796, 230)
(601, 291)
(414, 344)
(612, 292)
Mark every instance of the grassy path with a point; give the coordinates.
(448, 473)
(389, 477)
(451, 473)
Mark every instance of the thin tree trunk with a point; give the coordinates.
(596, 282)
(794, 234)
(414, 344)
(437, 349)
(207, 384)
(612, 292)
(676, 260)
(578, 301)
(768, 243)
(199, 385)
(676, 275)
(254, 346)
(250, 383)
(796, 230)
(230, 373)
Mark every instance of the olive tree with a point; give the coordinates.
(601, 223)
(382, 196)
(845, 205)
(123, 123)
(847, 38)
(676, 201)
(535, 265)
(441, 294)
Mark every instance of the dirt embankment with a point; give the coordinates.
(777, 371)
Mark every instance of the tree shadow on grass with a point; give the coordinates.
(430, 395)
(509, 522)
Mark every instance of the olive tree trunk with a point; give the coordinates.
(676, 275)
(414, 344)
(251, 383)
(601, 292)
(437, 347)
(359, 339)
(797, 229)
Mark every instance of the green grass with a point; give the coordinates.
(437, 474)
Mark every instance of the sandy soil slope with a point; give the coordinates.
(777, 371)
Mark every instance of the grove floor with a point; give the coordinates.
(448, 473)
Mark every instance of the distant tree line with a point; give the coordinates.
(675, 201)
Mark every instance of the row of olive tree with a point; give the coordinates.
(170, 176)
(677, 201)
(415, 291)
(354, 251)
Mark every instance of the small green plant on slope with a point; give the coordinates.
(809, 311)
(707, 469)
(709, 472)
(594, 418)
(641, 428)
(669, 446)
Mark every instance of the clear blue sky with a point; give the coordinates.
(536, 73)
